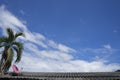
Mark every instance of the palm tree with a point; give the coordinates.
(11, 46)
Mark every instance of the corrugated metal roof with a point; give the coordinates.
(63, 76)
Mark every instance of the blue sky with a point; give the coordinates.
(82, 30)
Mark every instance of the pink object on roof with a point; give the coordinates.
(15, 69)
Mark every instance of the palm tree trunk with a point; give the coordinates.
(3, 61)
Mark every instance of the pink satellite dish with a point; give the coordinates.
(15, 69)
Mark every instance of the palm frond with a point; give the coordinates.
(16, 49)
(19, 34)
(3, 39)
(10, 34)
(19, 49)
(3, 44)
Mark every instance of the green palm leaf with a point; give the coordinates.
(10, 34)
(19, 34)
(3, 39)
(18, 48)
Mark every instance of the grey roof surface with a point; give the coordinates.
(64, 76)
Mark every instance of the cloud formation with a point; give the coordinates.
(41, 54)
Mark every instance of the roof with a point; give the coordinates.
(63, 76)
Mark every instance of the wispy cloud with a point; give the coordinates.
(106, 49)
(22, 12)
(107, 46)
(42, 54)
(103, 53)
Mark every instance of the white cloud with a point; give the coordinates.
(106, 49)
(7, 19)
(107, 46)
(35, 38)
(42, 54)
(65, 48)
(61, 47)
(104, 53)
